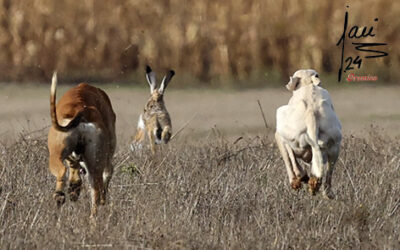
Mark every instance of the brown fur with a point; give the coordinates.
(69, 145)
(296, 183)
(313, 185)
(155, 117)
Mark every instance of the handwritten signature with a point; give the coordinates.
(356, 33)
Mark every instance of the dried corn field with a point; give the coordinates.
(207, 42)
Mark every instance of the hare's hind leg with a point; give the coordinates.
(140, 135)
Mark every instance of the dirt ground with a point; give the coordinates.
(232, 112)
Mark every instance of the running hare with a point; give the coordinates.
(155, 118)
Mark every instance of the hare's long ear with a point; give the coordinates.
(151, 78)
(165, 81)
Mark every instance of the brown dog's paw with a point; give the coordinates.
(313, 185)
(295, 183)
(59, 196)
(74, 190)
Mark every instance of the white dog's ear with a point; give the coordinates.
(165, 81)
(151, 78)
(293, 83)
(315, 80)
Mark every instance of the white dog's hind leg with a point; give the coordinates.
(297, 169)
(317, 167)
(285, 157)
(300, 174)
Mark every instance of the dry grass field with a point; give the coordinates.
(221, 184)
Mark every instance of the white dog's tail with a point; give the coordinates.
(312, 132)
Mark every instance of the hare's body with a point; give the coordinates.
(155, 120)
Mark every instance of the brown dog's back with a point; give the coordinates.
(85, 97)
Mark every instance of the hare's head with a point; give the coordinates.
(303, 77)
(156, 100)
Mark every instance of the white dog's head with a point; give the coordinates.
(303, 77)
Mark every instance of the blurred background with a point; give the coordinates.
(210, 43)
(226, 54)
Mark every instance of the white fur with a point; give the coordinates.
(308, 120)
(136, 146)
(87, 126)
(53, 83)
(141, 124)
(83, 165)
(65, 122)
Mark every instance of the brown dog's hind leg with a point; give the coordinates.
(75, 181)
(96, 185)
(107, 174)
(58, 169)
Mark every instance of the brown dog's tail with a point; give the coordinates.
(73, 123)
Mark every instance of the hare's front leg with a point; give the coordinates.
(166, 134)
(152, 139)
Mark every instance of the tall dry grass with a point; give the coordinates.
(213, 194)
(206, 39)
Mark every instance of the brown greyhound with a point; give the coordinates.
(82, 134)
